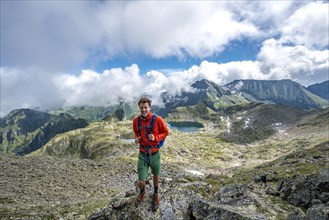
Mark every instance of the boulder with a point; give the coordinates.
(318, 212)
(303, 191)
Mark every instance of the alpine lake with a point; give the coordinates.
(185, 126)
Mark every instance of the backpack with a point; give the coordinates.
(160, 144)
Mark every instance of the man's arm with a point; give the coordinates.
(162, 129)
(135, 129)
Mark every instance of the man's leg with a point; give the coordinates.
(156, 199)
(155, 165)
(142, 170)
(156, 180)
(141, 184)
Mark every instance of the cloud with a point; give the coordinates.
(308, 26)
(37, 88)
(267, 16)
(28, 88)
(293, 62)
(182, 28)
(92, 88)
(46, 34)
(42, 41)
(64, 34)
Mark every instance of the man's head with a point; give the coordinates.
(144, 106)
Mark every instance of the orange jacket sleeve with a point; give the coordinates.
(135, 127)
(163, 130)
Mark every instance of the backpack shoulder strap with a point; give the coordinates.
(139, 126)
(152, 123)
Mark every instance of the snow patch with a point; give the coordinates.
(239, 85)
(228, 123)
(246, 123)
(198, 173)
(279, 127)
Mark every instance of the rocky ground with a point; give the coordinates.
(43, 187)
(40, 187)
(202, 177)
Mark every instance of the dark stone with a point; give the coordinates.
(272, 192)
(298, 214)
(318, 212)
(300, 191)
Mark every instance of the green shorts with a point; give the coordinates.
(143, 167)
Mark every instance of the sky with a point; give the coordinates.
(68, 53)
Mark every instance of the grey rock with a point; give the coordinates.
(272, 192)
(324, 173)
(234, 195)
(318, 212)
(301, 191)
(298, 214)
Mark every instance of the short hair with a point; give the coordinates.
(144, 100)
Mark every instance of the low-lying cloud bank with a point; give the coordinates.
(35, 87)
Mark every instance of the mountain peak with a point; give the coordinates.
(203, 84)
(24, 112)
(320, 89)
(284, 91)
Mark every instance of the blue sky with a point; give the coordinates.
(64, 53)
(235, 51)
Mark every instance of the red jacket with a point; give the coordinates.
(160, 131)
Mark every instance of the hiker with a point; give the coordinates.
(263, 180)
(148, 138)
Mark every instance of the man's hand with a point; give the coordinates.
(151, 137)
(137, 140)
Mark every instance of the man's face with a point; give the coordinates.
(145, 109)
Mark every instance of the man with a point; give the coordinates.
(263, 180)
(149, 152)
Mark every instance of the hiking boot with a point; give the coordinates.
(139, 199)
(155, 202)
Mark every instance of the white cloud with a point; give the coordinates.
(92, 88)
(47, 34)
(36, 88)
(308, 26)
(61, 34)
(293, 62)
(28, 88)
(64, 34)
(54, 36)
(267, 16)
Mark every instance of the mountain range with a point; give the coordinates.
(24, 130)
(236, 94)
(241, 93)
(85, 162)
(320, 89)
(285, 92)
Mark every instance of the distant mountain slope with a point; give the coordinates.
(234, 95)
(95, 113)
(204, 91)
(320, 89)
(285, 92)
(98, 140)
(24, 130)
(261, 122)
(90, 113)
